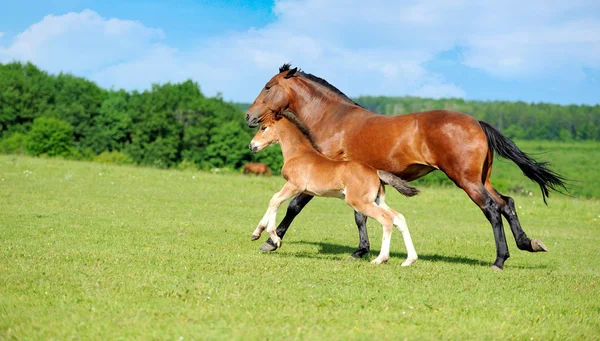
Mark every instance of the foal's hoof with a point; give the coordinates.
(409, 262)
(268, 247)
(379, 261)
(538, 246)
(255, 237)
(496, 268)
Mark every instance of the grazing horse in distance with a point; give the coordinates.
(309, 171)
(257, 168)
(408, 146)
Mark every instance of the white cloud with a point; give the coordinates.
(375, 47)
(80, 42)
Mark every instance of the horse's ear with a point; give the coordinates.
(278, 115)
(290, 73)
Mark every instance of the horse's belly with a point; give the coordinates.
(327, 193)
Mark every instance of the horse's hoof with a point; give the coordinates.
(268, 247)
(538, 246)
(255, 237)
(359, 253)
(496, 268)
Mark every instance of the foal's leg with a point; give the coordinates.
(294, 208)
(507, 206)
(269, 219)
(400, 222)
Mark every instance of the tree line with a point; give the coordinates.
(167, 126)
(175, 125)
(517, 120)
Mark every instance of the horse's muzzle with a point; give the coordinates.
(252, 122)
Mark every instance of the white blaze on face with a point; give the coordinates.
(255, 145)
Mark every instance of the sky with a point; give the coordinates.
(533, 51)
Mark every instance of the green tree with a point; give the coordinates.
(50, 136)
(112, 126)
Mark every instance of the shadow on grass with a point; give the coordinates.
(336, 249)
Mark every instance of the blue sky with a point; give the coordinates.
(535, 51)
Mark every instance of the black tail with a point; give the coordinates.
(400, 185)
(534, 170)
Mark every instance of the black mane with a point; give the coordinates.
(287, 67)
(303, 128)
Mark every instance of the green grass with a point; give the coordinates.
(577, 161)
(89, 251)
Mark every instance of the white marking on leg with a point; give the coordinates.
(384, 254)
(270, 217)
(400, 223)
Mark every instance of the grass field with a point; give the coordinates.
(95, 252)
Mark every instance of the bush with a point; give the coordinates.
(116, 158)
(187, 165)
(50, 136)
(14, 144)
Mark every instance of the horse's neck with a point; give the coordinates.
(293, 142)
(318, 106)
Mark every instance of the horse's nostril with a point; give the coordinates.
(247, 117)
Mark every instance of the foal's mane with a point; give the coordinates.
(318, 80)
(295, 120)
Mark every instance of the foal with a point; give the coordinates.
(308, 171)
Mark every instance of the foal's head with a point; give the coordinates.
(266, 135)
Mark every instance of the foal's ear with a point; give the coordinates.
(290, 73)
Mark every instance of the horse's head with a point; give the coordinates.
(266, 135)
(273, 98)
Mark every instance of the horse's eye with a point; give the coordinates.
(263, 128)
(267, 87)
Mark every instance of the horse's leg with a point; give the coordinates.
(507, 205)
(294, 208)
(385, 218)
(363, 245)
(492, 211)
(400, 222)
(269, 219)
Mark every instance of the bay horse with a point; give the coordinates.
(306, 170)
(257, 168)
(409, 146)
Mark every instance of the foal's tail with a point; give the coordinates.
(534, 170)
(400, 185)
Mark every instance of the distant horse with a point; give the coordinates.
(409, 146)
(256, 168)
(309, 171)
